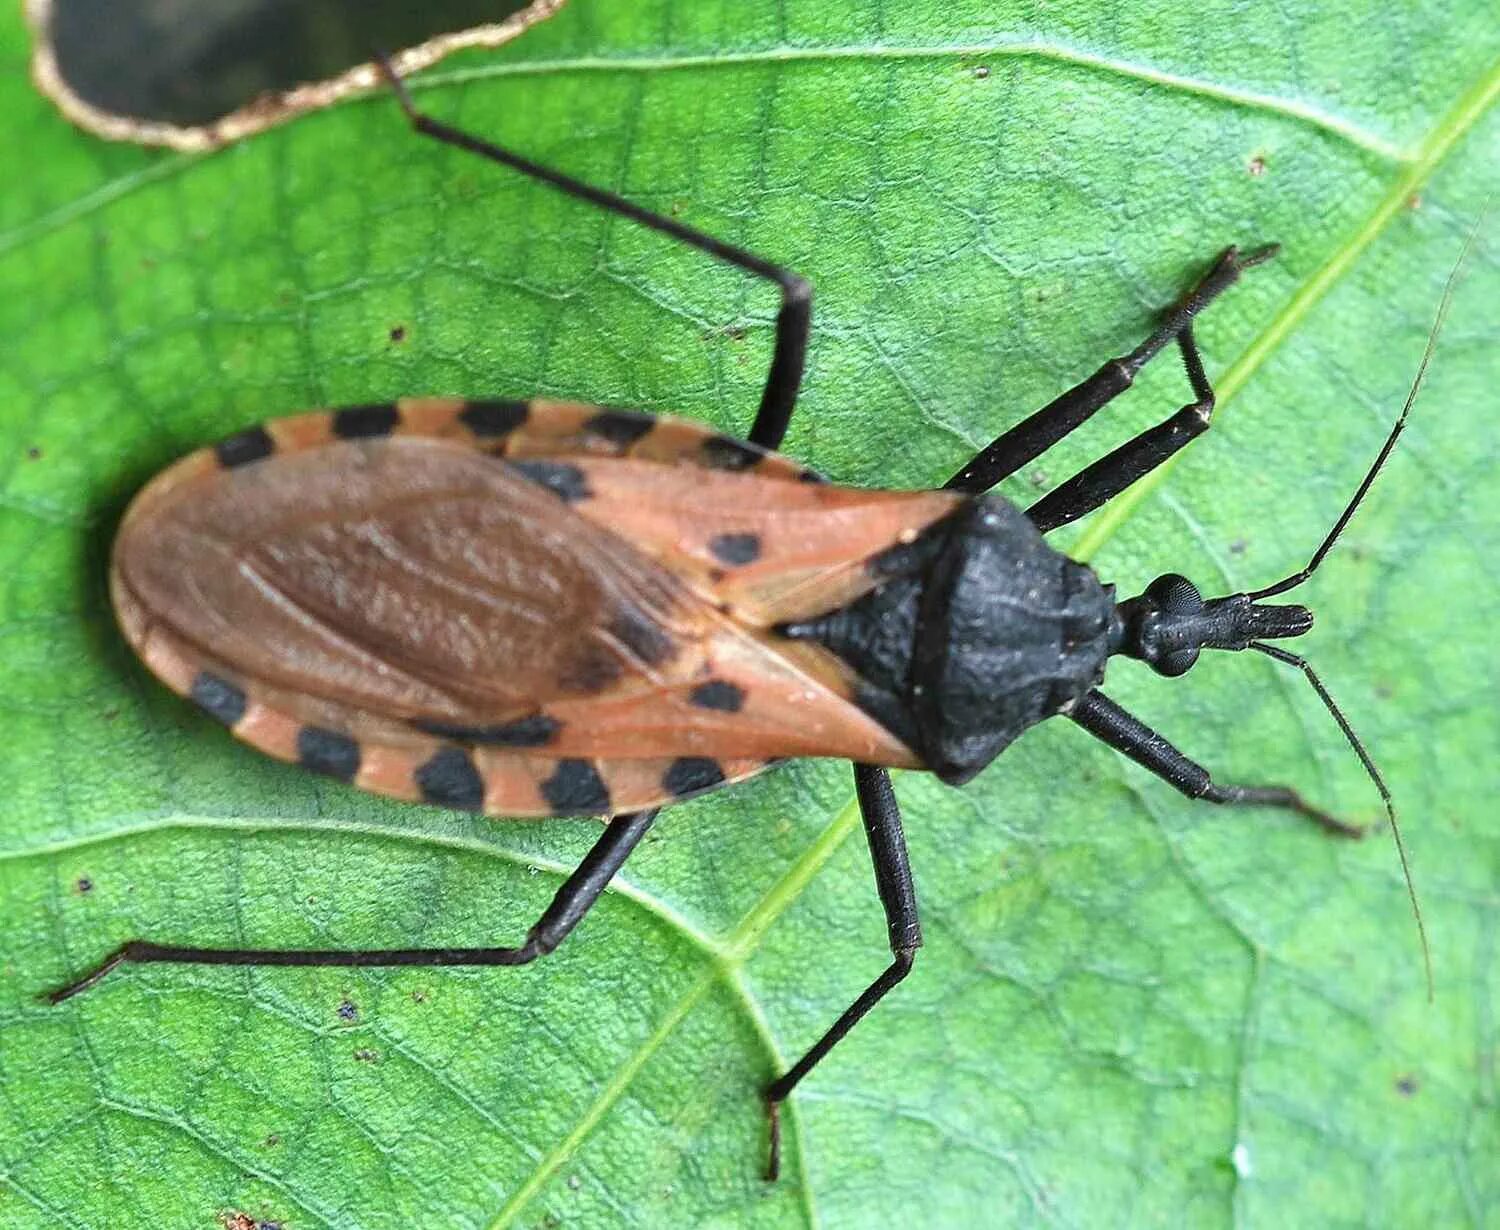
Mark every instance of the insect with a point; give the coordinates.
(544, 608)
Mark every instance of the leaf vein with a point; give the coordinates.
(1039, 49)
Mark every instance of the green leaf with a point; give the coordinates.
(1130, 1009)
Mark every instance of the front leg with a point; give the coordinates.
(1124, 732)
(1030, 438)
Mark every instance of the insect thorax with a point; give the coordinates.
(979, 630)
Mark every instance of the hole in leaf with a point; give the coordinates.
(194, 74)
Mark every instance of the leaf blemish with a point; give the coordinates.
(398, 333)
(348, 1011)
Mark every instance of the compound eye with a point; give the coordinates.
(1176, 663)
(1175, 595)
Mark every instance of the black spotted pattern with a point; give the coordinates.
(537, 730)
(450, 779)
(220, 699)
(691, 775)
(563, 480)
(328, 752)
(244, 447)
(365, 422)
(576, 789)
(491, 419)
(718, 694)
(727, 453)
(621, 428)
(735, 548)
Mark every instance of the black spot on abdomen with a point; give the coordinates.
(327, 752)
(244, 447)
(622, 428)
(718, 694)
(494, 418)
(735, 548)
(576, 789)
(364, 422)
(692, 775)
(220, 699)
(450, 779)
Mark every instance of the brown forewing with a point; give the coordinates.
(414, 597)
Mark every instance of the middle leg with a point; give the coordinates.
(793, 321)
(898, 897)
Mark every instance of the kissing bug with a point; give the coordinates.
(545, 608)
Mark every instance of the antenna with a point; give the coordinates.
(1386, 449)
(1296, 579)
(1302, 664)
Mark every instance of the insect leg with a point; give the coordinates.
(1104, 479)
(793, 321)
(898, 897)
(1029, 439)
(1107, 721)
(573, 900)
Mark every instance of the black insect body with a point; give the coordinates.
(934, 637)
(981, 631)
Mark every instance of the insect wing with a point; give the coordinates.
(407, 611)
